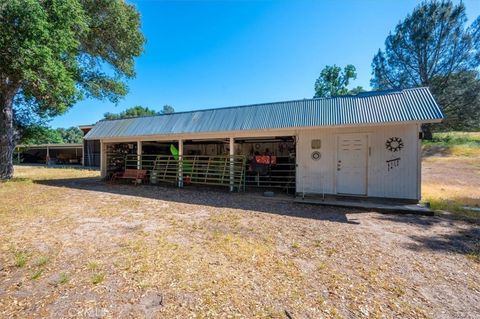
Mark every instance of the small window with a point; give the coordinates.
(316, 144)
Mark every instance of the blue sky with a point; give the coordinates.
(206, 54)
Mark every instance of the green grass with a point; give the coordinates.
(93, 265)
(63, 278)
(449, 139)
(42, 261)
(98, 278)
(37, 274)
(463, 144)
(21, 258)
(451, 206)
(445, 205)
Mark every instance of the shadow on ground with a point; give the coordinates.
(208, 196)
(464, 239)
(462, 235)
(436, 150)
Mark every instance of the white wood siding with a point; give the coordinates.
(400, 181)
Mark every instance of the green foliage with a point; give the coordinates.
(460, 101)
(43, 38)
(138, 111)
(40, 135)
(168, 109)
(455, 139)
(56, 52)
(72, 135)
(432, 41)
(433, 47)
(333, 81)
(37, 134)
(135, 111)
(459, 144)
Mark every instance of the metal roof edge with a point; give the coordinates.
(270, 129)
(66, 145)
(358, 95)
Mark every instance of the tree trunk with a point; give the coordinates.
(7, 135)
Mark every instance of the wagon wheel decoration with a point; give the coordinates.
(394, 144)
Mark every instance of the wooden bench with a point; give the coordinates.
(137, 175)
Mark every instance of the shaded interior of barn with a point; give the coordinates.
(267, 162)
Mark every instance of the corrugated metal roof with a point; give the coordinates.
(366, 108)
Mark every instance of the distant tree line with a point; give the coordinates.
(39, 134)
(42, 134)
(137, 111)
(431, 47)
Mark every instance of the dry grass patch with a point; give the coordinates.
(452, 182)
(75, 244)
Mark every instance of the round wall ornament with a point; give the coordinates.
(394, 144)
(316, 155)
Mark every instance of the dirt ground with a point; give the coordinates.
(74, 247)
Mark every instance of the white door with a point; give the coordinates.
(352, 159)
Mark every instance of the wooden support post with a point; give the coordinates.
(83, 152)
(139, 154)
(180, 163)
(47, 158)
(18, 154)
(103, 159)
(232, 171)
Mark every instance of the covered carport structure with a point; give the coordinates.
(50, 154)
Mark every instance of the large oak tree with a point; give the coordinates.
(56, 52)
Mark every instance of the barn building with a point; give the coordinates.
(367, 144)
(91, 149)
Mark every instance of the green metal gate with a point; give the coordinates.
(220, 170)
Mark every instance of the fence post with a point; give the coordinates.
(180, 163)
(232, 171)
(139, 154)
